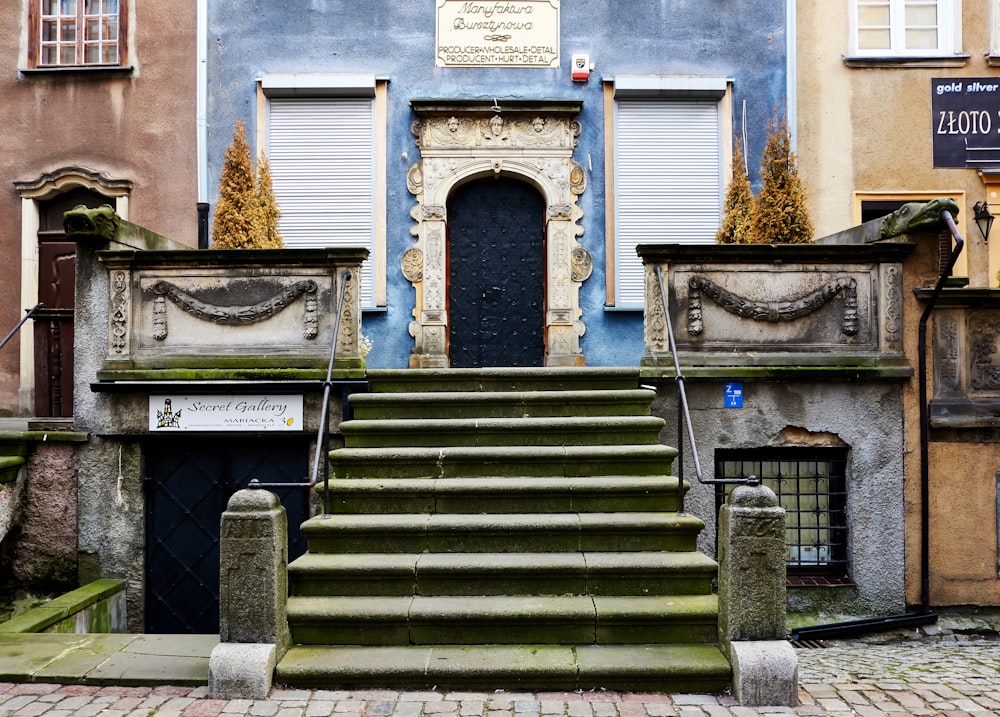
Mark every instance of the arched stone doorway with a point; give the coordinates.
(529, 141)
(43, 257)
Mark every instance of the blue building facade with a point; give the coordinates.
(409, 128)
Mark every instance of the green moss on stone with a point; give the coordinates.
(230, 374)
(65, 606)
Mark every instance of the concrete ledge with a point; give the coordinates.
(65, 606)
(765, 672)
(239, 670)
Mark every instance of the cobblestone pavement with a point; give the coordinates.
(958, 678)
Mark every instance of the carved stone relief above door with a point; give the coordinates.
(528, 140)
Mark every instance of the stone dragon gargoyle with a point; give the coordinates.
(917, 216)
(91, 225)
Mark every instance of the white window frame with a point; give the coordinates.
(994, 31)
(949, 13)
(662, 187)
(363, 98)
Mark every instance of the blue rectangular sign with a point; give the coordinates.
(734, 395)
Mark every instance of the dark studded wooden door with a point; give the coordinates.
(496, 303)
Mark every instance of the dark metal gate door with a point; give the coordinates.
(496, 284)
(188, 483)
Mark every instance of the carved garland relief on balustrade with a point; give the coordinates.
(789, 299)
(193, 302)
(773, 311)
(233, 314)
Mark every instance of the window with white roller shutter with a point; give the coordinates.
(323, 148)
(668, 173)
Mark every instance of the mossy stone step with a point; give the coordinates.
(511, 461)
(504, 533)
(655, 668)
(508, 404)
(504, 528)
(503, 620)
(550, 431)
(588, 494)
(439, 574)
(502, 379)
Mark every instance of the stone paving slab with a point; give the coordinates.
(108, 659)
(951, 680)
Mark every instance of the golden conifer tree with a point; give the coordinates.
(268, 205)
(780, 215)
(739, 204)
(239, 218)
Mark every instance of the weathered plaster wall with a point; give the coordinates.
(744, 40)
(963, 537)
(11, 495)
(825, 142)
(111, 527)
(870, 129)
(866, 417)
(139, 127)
(112, 519)
(44, 551)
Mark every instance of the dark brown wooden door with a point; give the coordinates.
(54, 323)
(496, 272)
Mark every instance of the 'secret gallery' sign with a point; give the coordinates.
(225, 413)
(966, 122)
(497, 33)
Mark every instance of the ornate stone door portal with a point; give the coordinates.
(531, 141)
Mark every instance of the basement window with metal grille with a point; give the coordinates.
(811, 486)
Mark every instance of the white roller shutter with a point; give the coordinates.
(668, 181)
(322, 154)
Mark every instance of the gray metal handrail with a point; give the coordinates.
(20, 323)
(684, 412)
(323, 434)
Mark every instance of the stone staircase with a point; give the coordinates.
(503, 528)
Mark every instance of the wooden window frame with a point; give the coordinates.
(36, 43)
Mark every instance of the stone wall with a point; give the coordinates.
(814, 336)
(207, 332)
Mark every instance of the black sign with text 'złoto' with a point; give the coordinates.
(966, 122)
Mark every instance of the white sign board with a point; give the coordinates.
(497, 33)
(225, 413)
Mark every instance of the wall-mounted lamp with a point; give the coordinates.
(984, 220)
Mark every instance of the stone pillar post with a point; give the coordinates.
(752, 598)
(253, 590)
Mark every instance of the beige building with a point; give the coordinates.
(869, 131)
(99, 106)
(899, 100)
